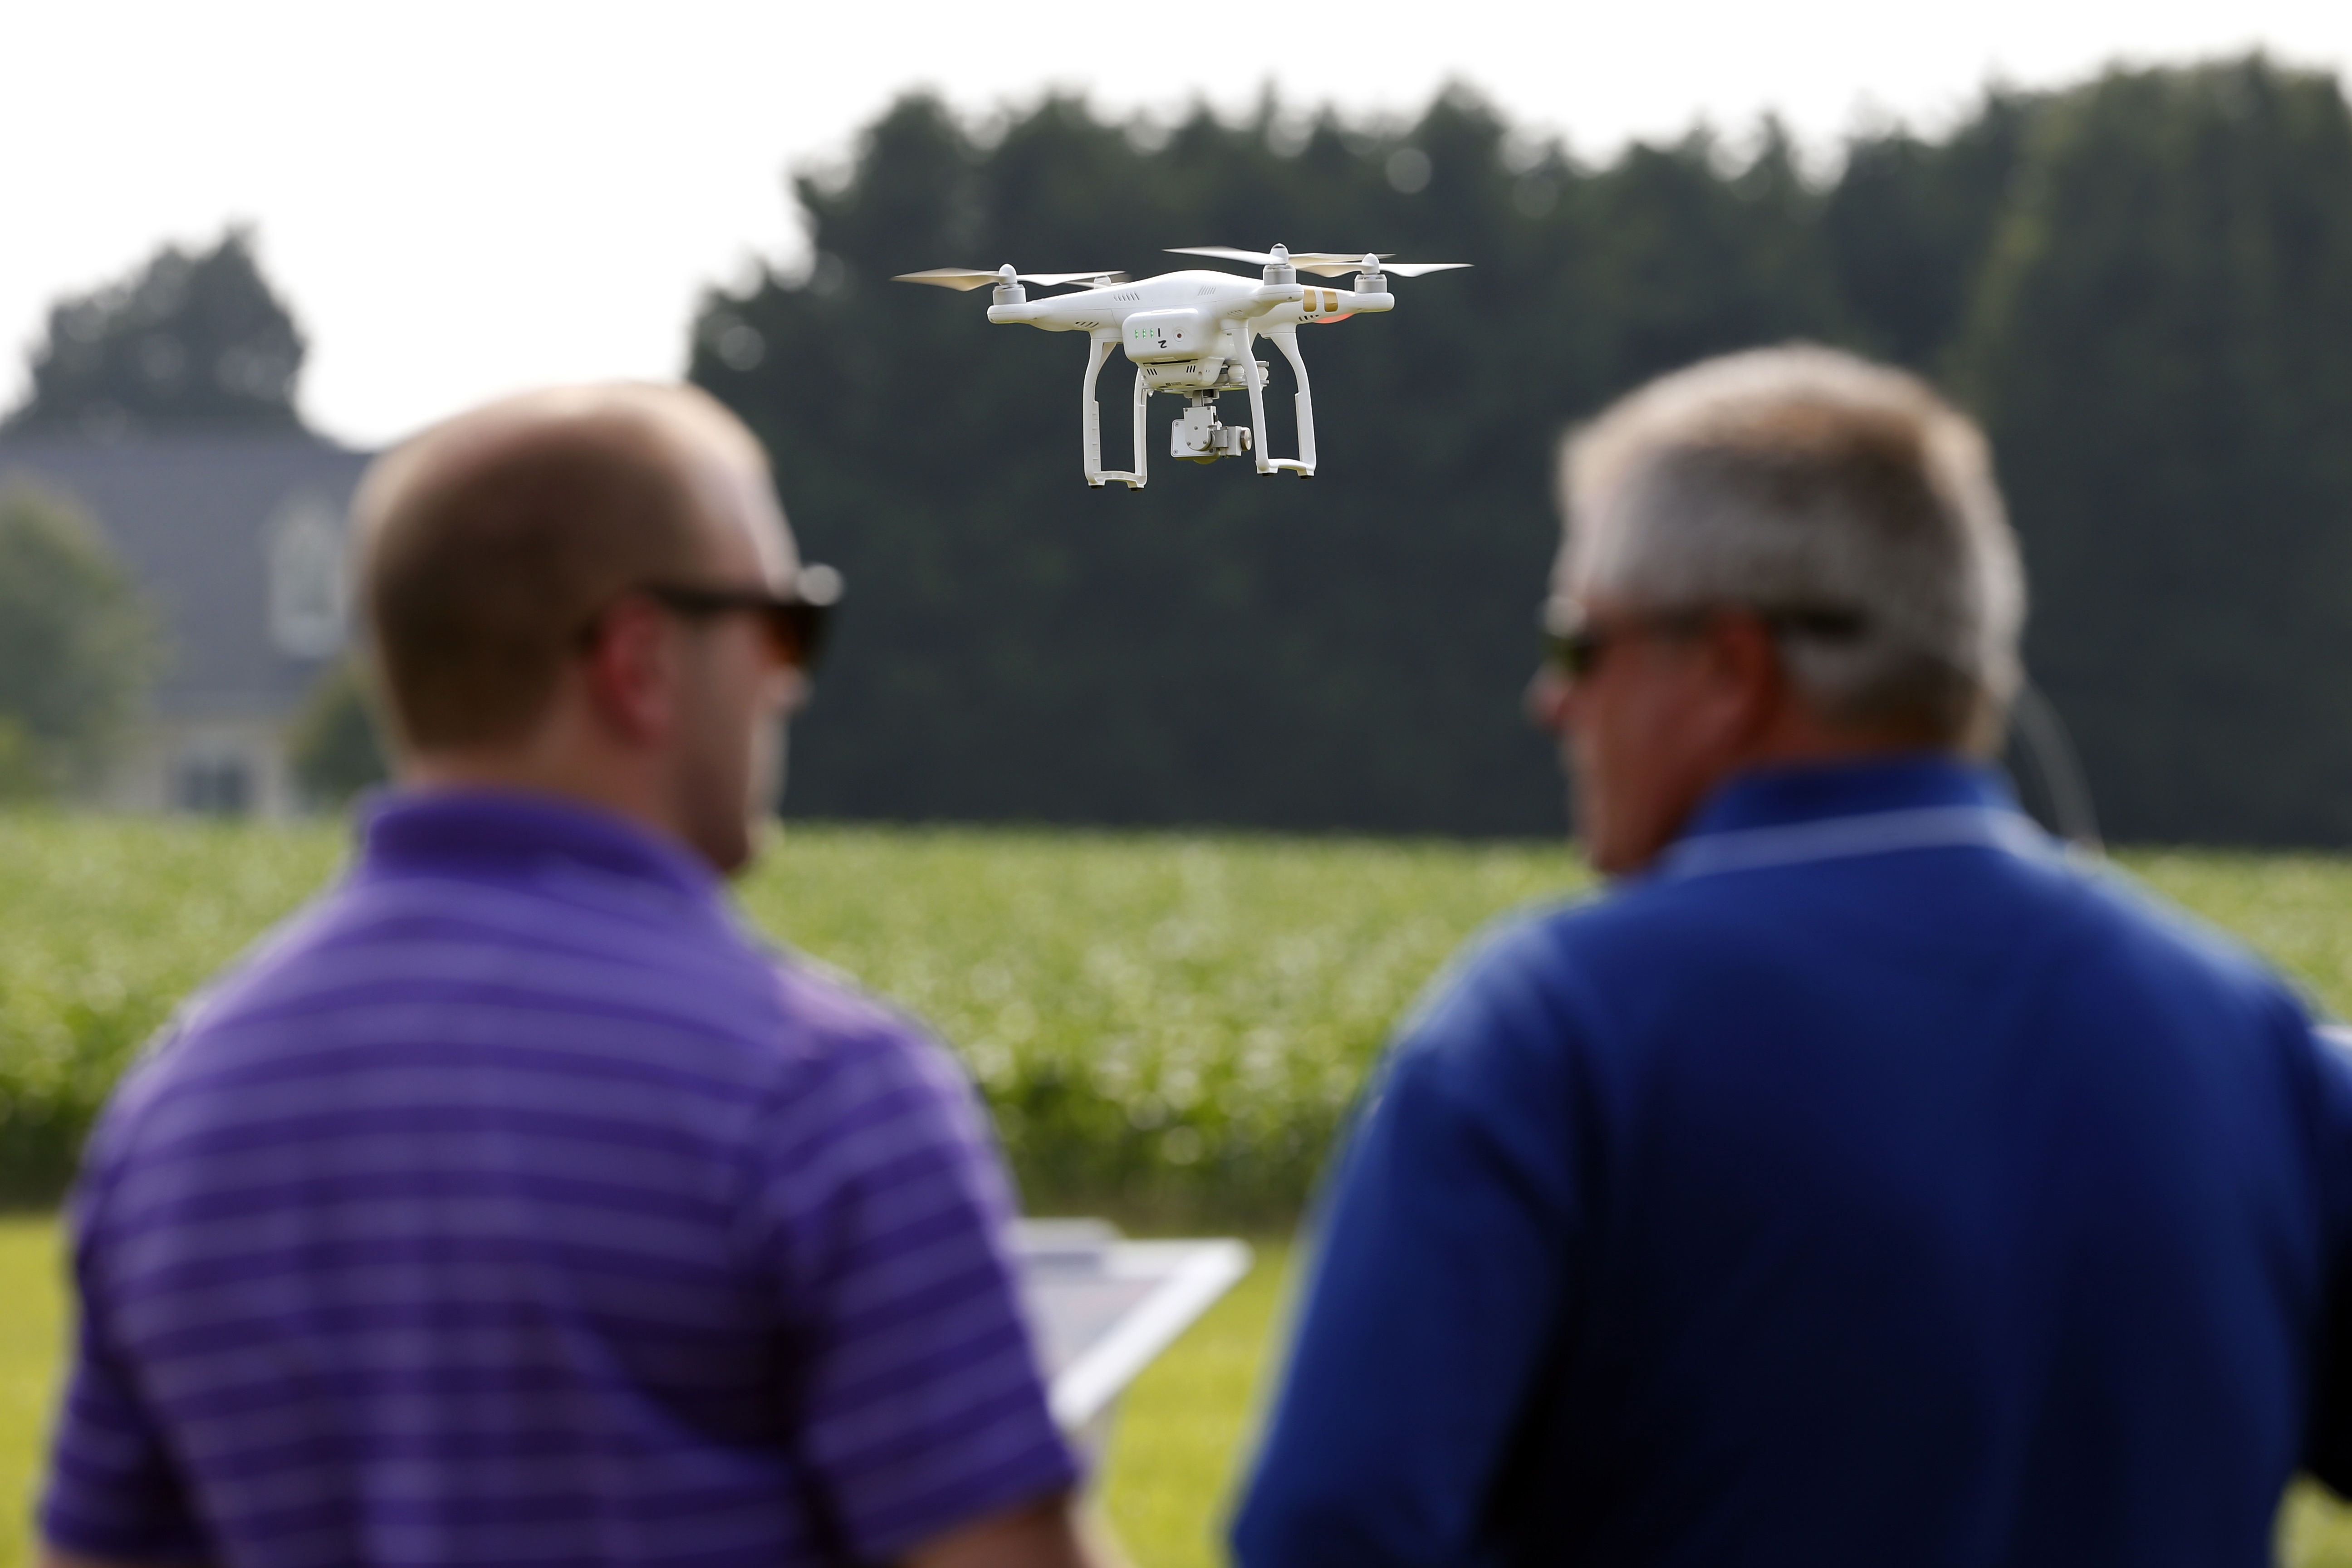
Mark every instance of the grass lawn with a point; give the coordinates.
(32, 1345)
(1182, 1425)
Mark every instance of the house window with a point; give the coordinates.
(307, 585)
(213, 786)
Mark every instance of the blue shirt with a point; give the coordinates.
(514, 1206)
(1867, 1185)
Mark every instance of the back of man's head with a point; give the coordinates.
(1845, 500)
(488, 543)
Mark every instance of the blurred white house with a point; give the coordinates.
(238, 539)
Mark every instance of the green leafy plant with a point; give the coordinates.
(77, 646)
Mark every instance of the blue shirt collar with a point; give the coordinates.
(1771, 797)
(510, 832)
(1786, 816)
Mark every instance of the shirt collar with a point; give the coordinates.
(485, 830)
(1833, 812)
(1772, 797)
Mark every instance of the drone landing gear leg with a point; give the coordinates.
(1287, 342)
(1142, 403)
(1091, 415)
(1252, 377)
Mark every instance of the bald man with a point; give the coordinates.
(512, 1204)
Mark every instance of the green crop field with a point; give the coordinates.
(1177, 1023)
(1169, 1029)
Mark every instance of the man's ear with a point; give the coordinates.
(1750, 685)
(628, 674)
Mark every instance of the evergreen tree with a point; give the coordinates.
(1910, 220)
(191, 339)
(2162, 350)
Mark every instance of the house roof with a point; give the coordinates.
(193, 515)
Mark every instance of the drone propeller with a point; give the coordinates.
(1322, 263)
(966, 278)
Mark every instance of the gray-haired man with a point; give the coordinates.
(1858, 1182)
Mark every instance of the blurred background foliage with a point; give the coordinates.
(2144, 285)
(1169, 1027)
(78, 647)
(338, 748)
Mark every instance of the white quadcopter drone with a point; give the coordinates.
(1190, 333)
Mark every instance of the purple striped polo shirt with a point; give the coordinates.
(512, 1204)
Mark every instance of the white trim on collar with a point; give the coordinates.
(1844, 837)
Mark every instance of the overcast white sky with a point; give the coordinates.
(464, 198)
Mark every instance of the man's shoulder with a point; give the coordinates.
(637, 955)
(595, 989)
(1537, 957)
(1545, 974)
(1517, 978)
(2124, 926)
(1983, 910)
(1615, 934)
(833, 1022)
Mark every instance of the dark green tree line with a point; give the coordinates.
(1220, 647)
(2161, 346)
(194, 338)
(2143, 284)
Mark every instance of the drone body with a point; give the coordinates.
(1191, 333)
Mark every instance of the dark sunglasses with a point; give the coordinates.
(1575, 647)
(796, 621)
